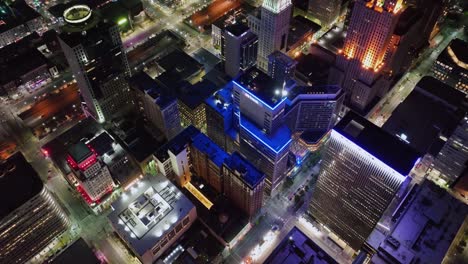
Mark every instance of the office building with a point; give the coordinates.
(313, 68)
(30, 218)
(428, 227)
(239, 48)
(311, 111)
(219, 120)
(192, 153)
(359, 67)
(150, 216)
(238, 15)
(91, 174)
(207, 160)
(451, 67)
(259, 106)
(361, 171)
(297, 247)
(178, 66)
(405, 42)
(23, 67)
(432, 18)
(243, 184)
(108, 152)
(272, 28)
(94, 51)
(173, 160)
(191, 103)
(78, 252)
(326, 11)
(160, 109)
(450, 163)
(314, 108)
(428, 115)
(281, 67)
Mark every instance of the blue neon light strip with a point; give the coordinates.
(266, 144)
(258, 99)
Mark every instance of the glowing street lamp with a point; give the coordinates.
(122, 21)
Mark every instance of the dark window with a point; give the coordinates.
(283, 41)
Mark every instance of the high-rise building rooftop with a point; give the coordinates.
(261, 87)
(151, 215)
(19, 182)
(249, 174)
(387, 148)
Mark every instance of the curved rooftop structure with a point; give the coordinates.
(79, 18)
(77, 14)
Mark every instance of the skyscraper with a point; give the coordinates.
(173, 158)
(272, 28)
(259, 106)
(325, 10)
(207, 160)
(358, 69)
(30, 218)
(159, 108)
(90, 172)
(239, 48)
(94, 51)
(362, 169)
(451, 67)
(314, 108)
(451, 161)
(281, 67)
(219, 120)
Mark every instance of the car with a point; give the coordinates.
(275, 228)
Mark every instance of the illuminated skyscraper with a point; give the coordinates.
(272, 28)
(362, 169)
(259, 106)
(30, 218)
(94, 51)
(359, 67)
(239, 48)
(90, 172)
(452, 159)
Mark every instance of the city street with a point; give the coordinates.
(280, 213)
(163, 19)
(52, 104)
(30, 98)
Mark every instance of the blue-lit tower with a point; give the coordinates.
(259, 107)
